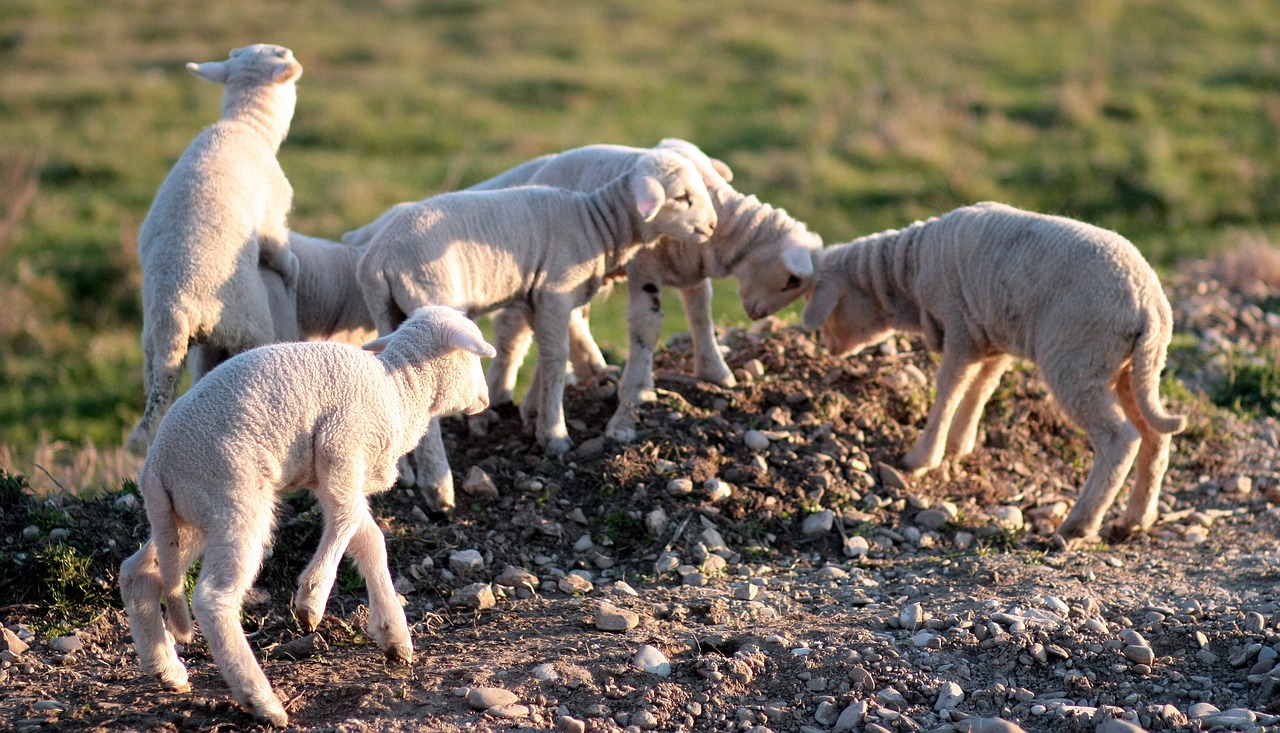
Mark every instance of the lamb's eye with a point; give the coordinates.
(685, 198)
(793, 282)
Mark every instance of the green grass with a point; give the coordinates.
(1157, 119)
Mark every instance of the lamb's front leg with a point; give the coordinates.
(963, 434)
(387, 624)
(644, 327)
(959, 367)
(551, 332)
(511, 337)
(709, 363)
(432, 474)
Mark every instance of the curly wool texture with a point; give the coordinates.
(987, 282)
(547, 250)
(271, 420)
(218, 214)
(766, 249)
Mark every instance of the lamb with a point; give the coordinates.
(769, 252)
(268, 421)
(544, 249)
(989, 282)
(218, 214)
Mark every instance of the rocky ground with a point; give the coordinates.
(752, 562)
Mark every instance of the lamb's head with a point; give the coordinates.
(772, 276)
(444, 341)
(715, 173)
(671, 198)
(260, 66)
(849, 316)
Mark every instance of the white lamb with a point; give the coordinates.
(268, 421)
(545, 249)
(988, 282)
(770, 253)
(218, 214)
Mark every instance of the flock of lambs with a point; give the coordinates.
(277, 406)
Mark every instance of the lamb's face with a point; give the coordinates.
(261, 64)
(772, 277)
(472, 389)
(848, 318)
(686, 212)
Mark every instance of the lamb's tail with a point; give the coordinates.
(1148, 362)
(169, 556)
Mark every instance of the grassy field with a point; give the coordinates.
(1157, 119)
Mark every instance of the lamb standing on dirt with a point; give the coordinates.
(770, 253)
(545, 249)
(219, 213)
(268, 421)
(987, 282)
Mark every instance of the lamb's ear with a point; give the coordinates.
(722, 168)
(821, 304)
(214, 71)
(466, 337)
(286, 72)
(649, 196)
(378, 344)
(798, 260)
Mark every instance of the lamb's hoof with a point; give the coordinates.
(557, 446)
(1118, 532)
(270, 711)
(407, 477)
(308, 619)
(399, 654)
(723, 378)
(621, 433)
(176, 684)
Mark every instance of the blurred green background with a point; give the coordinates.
(1158, 119)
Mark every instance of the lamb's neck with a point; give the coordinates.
(268, 109)
(611, 218)
(745, 224)
(884, 266)
(417, 387)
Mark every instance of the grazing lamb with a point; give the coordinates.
(218, 214)
(988, 282)
(268, 421)
(770, 253)
(544, 249)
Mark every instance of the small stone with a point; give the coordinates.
(1202, 710)
(66, 644)
(466, 561)
(483, 698)
(856, 546)
(623, 588)
(818, 523)
(126, 501)
(950, 695)
(680, 487)
(1115, 725)
(717, 490)
(1254, 622)
(574, 583)
(59, 534)
(611, 618)
(1238, 484)
(11, 643)
(479, 484)
(851, 717)
(644, 720)
(665, 563)
(695, 579)
(31, 533)
(892, 477)
(755, 440)
(754, 367)
(746, 591)
(655, 522)
(568, 724)
(991, 725)
(545, 672)
(1008, 517)
(932, 519)
(826, 713)
(891, 698)
(478, 596)
(649, 659)
(1139, 654)
(301, 648)
(583, 543)
(516, 577)
(912, 616)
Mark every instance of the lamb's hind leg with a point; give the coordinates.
(709, 363)
(140, 589)
(431, 472)
(164, 348)
(512, 336)
(550, 331)
(1149, 467)
(341, 496)
(387, 624)
(231, 560)
(584, 353)
(954, 377)
(1092, 404)
(963, 434)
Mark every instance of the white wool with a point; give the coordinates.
(271, 420)
(545, 250)
(218, 214)
(769, 252)
(989, 282)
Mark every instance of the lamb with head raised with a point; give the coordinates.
(546, 250)
(989, 282)
(218, 214)
(268, 421)
(768, 251)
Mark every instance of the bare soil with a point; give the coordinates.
(1024, 630)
